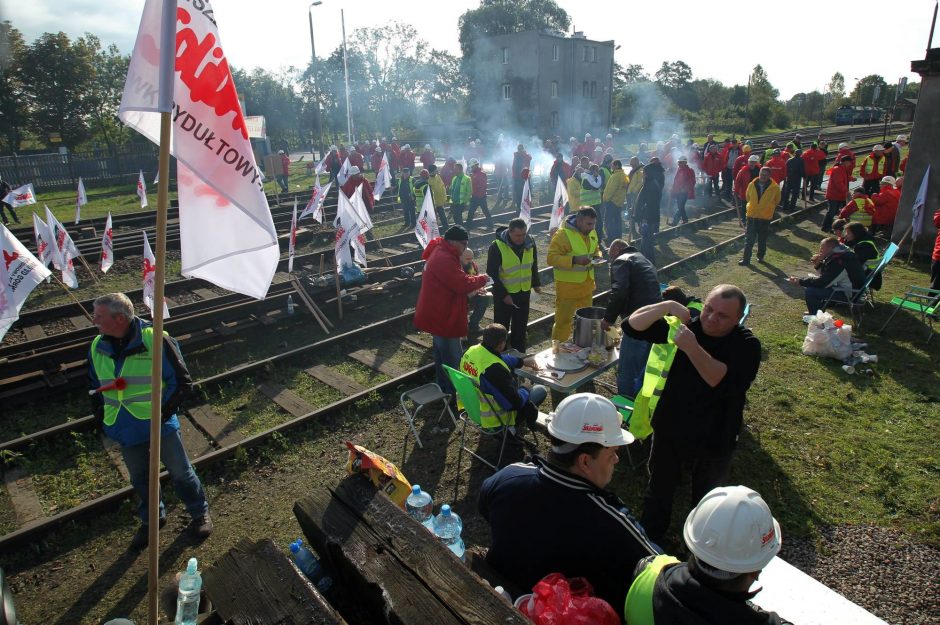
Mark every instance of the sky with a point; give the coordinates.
(800, 45)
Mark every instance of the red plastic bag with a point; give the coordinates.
(558, 601)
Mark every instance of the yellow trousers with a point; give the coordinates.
(565, 308)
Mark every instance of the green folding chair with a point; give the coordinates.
(468, 392)
(921, 300)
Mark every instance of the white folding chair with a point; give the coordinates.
(415, 400)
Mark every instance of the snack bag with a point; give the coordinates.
(383, 473)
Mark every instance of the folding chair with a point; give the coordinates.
(858, 298)
(921, 300)
(470, 396)
(624, 406)
(417, 399)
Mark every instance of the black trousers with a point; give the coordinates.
(481, 202)
(935, 275)
(9, 208)
(457, 211)
(834, 207)
(727, 182)
(756, 230)
(515, 319)
(666, 465)
(791, 193)
(711, 186)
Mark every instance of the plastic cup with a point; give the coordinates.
(848, 369)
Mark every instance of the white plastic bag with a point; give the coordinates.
(826, 336)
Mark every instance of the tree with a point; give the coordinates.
(836, 86)
(104, 97)
(58, 79)
(13, 110)
(675, 81)
(504, 17)
(864, 92)
(276, 97)
(762, 99)
(633, 73)
(448, 89)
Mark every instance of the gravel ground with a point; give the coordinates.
(880, 569)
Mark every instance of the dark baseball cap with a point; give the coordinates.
(456, 233)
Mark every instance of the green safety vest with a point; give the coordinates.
(578, 273)
(871, 263)
(419, 192)
(135, 371)
(591, 196)
(460, 189)
(638, 609)
(515, 274)
(411, 184)
(869, 165)
(654, 379)
(861, 215)
(474, 362)
(605, 176)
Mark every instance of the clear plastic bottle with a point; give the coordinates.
(447, 527)
(310, 566)
(420, 506)
(187, 598)
(290, 304)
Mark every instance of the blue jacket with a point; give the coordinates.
(128, 430)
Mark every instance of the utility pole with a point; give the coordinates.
(342, 18)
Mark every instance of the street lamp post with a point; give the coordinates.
(313, 69)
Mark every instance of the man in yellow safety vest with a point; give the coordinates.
(119, 378)
(570, 253)
(512, 263)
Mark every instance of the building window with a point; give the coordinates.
(507, 91)
(554, 88)
(593, 89)
(554, 119)
(505, 56)
(556, 53)
(584, 89)
(593, 54)
(584, 54)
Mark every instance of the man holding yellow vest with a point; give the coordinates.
(512, 263)
(119, 378)
(570, 254)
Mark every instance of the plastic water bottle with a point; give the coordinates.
(187, 599)
(420, 506)
(310, 566)
(447, 527)
(290, 304)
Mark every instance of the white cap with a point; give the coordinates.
(588, 418)
(280, 151)
(407, 146)
(473, 144)
(890, 180)
(572, 139)
(378, 149)
(843, 145)
(902, 138)
(753, 158)
(473, 162)
(610, 136)
(682, 159)
(597, 140)
(333, 148)
(427, 146)
(732, 530)
(354, 170)
(598, 149)
(878, 148)
(587, 135)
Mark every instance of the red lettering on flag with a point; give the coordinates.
(214, 85)
(9, 258)
(148, 267)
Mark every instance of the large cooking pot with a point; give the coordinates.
(587, 326)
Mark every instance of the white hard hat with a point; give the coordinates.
(598, 149)
(473, 162)
(610, 136)
(572, 139)
(354, 170)
(427, 146)
(878, 148)
(843, 145)
(889, 180)
(753, 158)
(473, 144)
(732, 530)
(280, 151)
(588, 135)
(588, 418)
(378, 149)
(597, 140)
(902, 138)
(332, 148)
(407, 146)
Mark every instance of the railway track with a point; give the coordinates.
(344, 368)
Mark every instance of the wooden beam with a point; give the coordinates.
(217, 427)
(286, 399)
(26, 504)
(372, 359)
(341, 382)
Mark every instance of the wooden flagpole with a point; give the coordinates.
(85, 262)
(72, 295)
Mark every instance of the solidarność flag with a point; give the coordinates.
(149, 280)
(293, 239)
(558, 205)
(80, 200)
(20, 273)
(142, 189)
(107, 247)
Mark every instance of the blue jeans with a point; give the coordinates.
(185, 481)
(632, 365)
(478, 306)
(816, 296)
(446, 352)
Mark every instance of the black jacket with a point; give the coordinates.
(494, 260)
(840, 260)
(683, 595)
(406, 192)
(633, 284)
(795, 169)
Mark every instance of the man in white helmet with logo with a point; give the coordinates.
(732, 536)
(553, 514)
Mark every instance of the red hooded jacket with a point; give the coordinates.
(684, 182)
(838, 188)
(778, 168)
(406, 158)
(427, 158)
(442, 302)
(350, 187)
(811, 161)
(713, 164)
(886, 206)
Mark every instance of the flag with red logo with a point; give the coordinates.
(315, 203)
(227, 235)
(80, 200)
(558, 205)
(20, 273)
(383, 179)
(45, 245)
(426, 229)
(142, 189)
(525, 204)
(321, 166)
(21, 196)
(64, 250)
(343, 174)
(293, 239)
(107, 246)
(347, 229)
(149, 281)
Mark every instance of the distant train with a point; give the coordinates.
(859, 115)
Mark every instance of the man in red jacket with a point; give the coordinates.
(427, 157)
(284, 172)
(406, 158)
(442, 302)
(778, 166)
(837, 193)
(355, 158)
(873, 169)
(683, 190)
(713, 168)
(886, 207)
(813, 159)
(356, 180)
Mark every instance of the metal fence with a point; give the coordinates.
(55, 171)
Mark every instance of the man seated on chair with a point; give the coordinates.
(553, 515)
(493, 370)
(839, 273)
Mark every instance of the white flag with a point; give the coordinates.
(426, 229)
(156, 177)
(80, 200)
(20, 273)
(343, 174)
(383, 179)
(359, 209)
(149, 280)
(21, 196)
(315, 204)
(346, 230)
(525, 204)
(227, 235)
(45, 242)
(142, 189)
(107, 247)
(558, 205)
(293, 239)
(65, 250)
(917, 209)
(347, 215)
(321, 166)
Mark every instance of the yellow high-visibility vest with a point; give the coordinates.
(578, 273)
(474, 362)
(135, 398)
(515, 274)
(638, 608)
